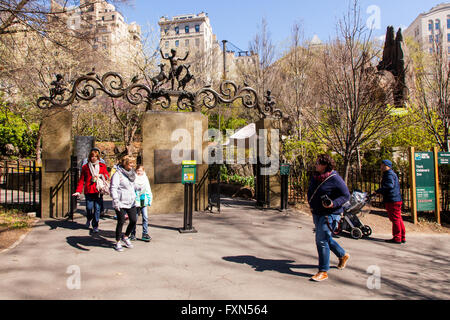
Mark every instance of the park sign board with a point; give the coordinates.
(189, 172)
(444, 157)
(425, 181)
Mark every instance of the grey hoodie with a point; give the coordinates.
(123, 191)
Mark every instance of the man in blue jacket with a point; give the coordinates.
(392, 198)
(326, 194)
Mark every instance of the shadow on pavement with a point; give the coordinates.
(89, 241)
(282, 266)
(65, 224)
(164, 227)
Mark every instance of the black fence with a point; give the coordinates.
(20, 185)
(368, 180)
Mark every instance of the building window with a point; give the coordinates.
(103, 18)
(166, 30)
(448, 50)
(430, 39)
(113, 17)
(186, 43)
(430, 25)
(431, 50)
(438, 24)
(448, 22)
(448, 37)
(177, 43)
(167, 44)
(177, 30)
(186, 29)
(197, 28)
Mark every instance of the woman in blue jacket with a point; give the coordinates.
(327, 193)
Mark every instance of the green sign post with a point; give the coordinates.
(444, 157)
(285, 169)
(188, 172)
(188, 178)
(424, 183)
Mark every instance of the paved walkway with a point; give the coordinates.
(241, 253)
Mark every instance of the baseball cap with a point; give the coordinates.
(388, 163)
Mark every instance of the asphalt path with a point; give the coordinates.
(239, 254)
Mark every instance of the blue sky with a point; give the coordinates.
(237, 21)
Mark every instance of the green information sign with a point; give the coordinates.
(189, 172)
(425, 183)
(444, 157)
(285, 169)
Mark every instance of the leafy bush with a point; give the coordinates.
(13, 130)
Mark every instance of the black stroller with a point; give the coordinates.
(350, 222)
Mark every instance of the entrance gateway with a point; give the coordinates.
(161, 126)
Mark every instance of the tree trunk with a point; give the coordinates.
(38, 146)
(346, 169)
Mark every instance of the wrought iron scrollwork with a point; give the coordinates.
(112, 84)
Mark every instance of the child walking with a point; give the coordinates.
(144, 199)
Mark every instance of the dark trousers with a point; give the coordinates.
(93, 208)
(132, 218)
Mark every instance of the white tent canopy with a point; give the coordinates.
(246, 133)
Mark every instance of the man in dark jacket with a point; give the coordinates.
(392, 198)
(326, 194)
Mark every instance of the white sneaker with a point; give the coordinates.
(127, 243)
(118, 247)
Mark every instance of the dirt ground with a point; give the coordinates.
(378, 220)
(12, 227)
(9, 237)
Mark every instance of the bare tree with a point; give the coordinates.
(36, 42)
(259, 74)
(431, 97)
(354, 108)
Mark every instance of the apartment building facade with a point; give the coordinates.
(193, 33)
(432, 28)
(105, 26)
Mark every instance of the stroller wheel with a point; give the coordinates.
(367, 231)
(356, 233)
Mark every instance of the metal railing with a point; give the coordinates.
(62, 203)
(20, 185)
(367, 180)
(209, 195)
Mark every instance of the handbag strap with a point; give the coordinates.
(309, 201)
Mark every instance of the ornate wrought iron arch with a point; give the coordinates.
(113, 85)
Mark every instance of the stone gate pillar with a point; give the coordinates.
(56, 153)
(159, 128)
(268, 179)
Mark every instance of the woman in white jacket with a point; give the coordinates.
(123, 193)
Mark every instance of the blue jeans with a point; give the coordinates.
(142, 210)
(93, 203)
(325, 241)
